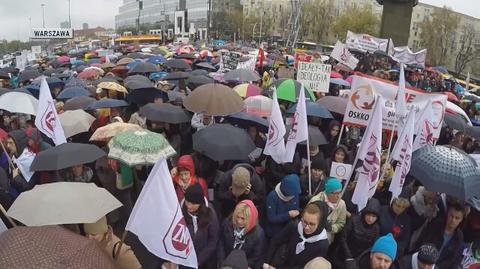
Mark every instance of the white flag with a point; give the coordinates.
(424, 130)
(47, 120)
(275, 145)
(467, 82)
(370, 153)
(299, 130)
(342, 54)
(400, 103)
(402, 152)
(158, 221)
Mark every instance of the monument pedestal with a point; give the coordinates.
(396, 20)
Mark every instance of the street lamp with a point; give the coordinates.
(69, 17)
(43, 14)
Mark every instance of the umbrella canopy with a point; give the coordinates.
(88, 74)
(223, 142)
(334, 104)
(314, 110)
(76, 122)
(114, 86)
(73, 92)
(245, 120)
(105, 79)
(139, 147)
(473, 131)
(242, 75)
(289, 89)
(455, 121)
(165, 112)
(143, 68)
(199, 72)
(135, 84)
(81, 102)
(19, 102)
(315, 137)
(141, 78)
(259, 105)
(158, 59)
(334, 74)
(66, 155)
(4, 75)
(195, 81)
(446, 169)
(50, 247)
(206, 66)
(106, 132)
(176, 76)
(28, 75)
(177, 64)
(214, 99)
(107, 103)
(247, 90)
(107, 65)
(125, 61)
(63, 203)
(340, 82)
(146, 95)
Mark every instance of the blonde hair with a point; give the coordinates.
(403, 202)
(241, 209)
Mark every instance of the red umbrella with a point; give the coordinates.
(336, 75)
(3, 135)
(88, 74)
(120, 70)
(63, 59)
(185, 49)
(451, 97)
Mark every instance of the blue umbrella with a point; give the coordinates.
(34, 89)
(107, 103)
(73, 92)
(314, 110)
(157, 75)
(340, 82)
(75, 82)
(78, 62)
(244, 120)
(131, 65)
(157, 60)
(440, 69)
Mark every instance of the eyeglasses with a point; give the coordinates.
(309, 224)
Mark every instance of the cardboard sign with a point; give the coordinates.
(315, 76)
(364, 93)
(230, 60)
(36, 49)
(340, 170)
(302, 57)
(285, 72)
(343, 55)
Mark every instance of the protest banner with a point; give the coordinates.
(341, 54)
(21, 62)
(366, 42)
(340, 170)
(315, 76)
(302, 57)
(366, 89)
(31, 56)
(248, 64)
(406, 56)
(36, 49)
(230, 60)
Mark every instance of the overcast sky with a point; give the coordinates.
(15, 14)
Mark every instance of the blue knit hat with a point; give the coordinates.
(386, 245)
(290, 185)
(332, 185)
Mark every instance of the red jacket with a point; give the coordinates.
(186, 162)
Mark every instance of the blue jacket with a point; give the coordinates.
(277, 212)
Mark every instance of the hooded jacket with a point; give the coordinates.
(400, 226)
(277, 209)
(358, 236)
(254, 244)
(331, 157)
(289, 236)
(20, 138)
(186, 162)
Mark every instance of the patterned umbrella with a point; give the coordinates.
(258, 105)
(247, 90)
(139, 147)
(106, 132)
(446, 169)
(50, 247)
(112, 86)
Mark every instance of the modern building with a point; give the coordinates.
(84, 26)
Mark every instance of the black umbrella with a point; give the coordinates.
(138, 84)
(455, 121)
(143, 68)
(206, 65)
(177, 64)
(80, 102)
(241, 75)
(28, 75)
(244, 120)
(136, 78)
(106, 103)
(197, 81)
(446, 169)
(473, 131)
(164, 113)
(223, 142)
(4, 75)
(189, 56)
(144, 96)
(176, 76)
(9, 69)
(314, 110)
(315, 137)
(66, 155)
(199, 72)
(137, 55)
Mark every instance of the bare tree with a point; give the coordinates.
(317, 16)
(468, 51)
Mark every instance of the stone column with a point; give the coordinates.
(396, 20)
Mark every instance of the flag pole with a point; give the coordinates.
(4, 212)
(309, 167)
(10, 162)
(340, 135)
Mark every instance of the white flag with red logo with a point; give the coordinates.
(275, 146)
(299, 131)
(424, 131)
(158, 221)
(402, 152)
(400, 103)
(47, 120)
(343, 55)
(369, 153)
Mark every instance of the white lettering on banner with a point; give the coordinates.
(406, 56)
(362, 99)
(51, 33)
(315, 76)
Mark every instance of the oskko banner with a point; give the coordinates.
(365, 91)
(51, 33)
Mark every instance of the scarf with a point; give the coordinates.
(195, 222)
(415, 261)
(312, 239)
(331, 205)
(423, 210)
(281, 195)
(239, 236)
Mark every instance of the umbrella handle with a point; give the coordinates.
(5, 214)
(122, 239)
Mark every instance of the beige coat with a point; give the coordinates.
(337, 218)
